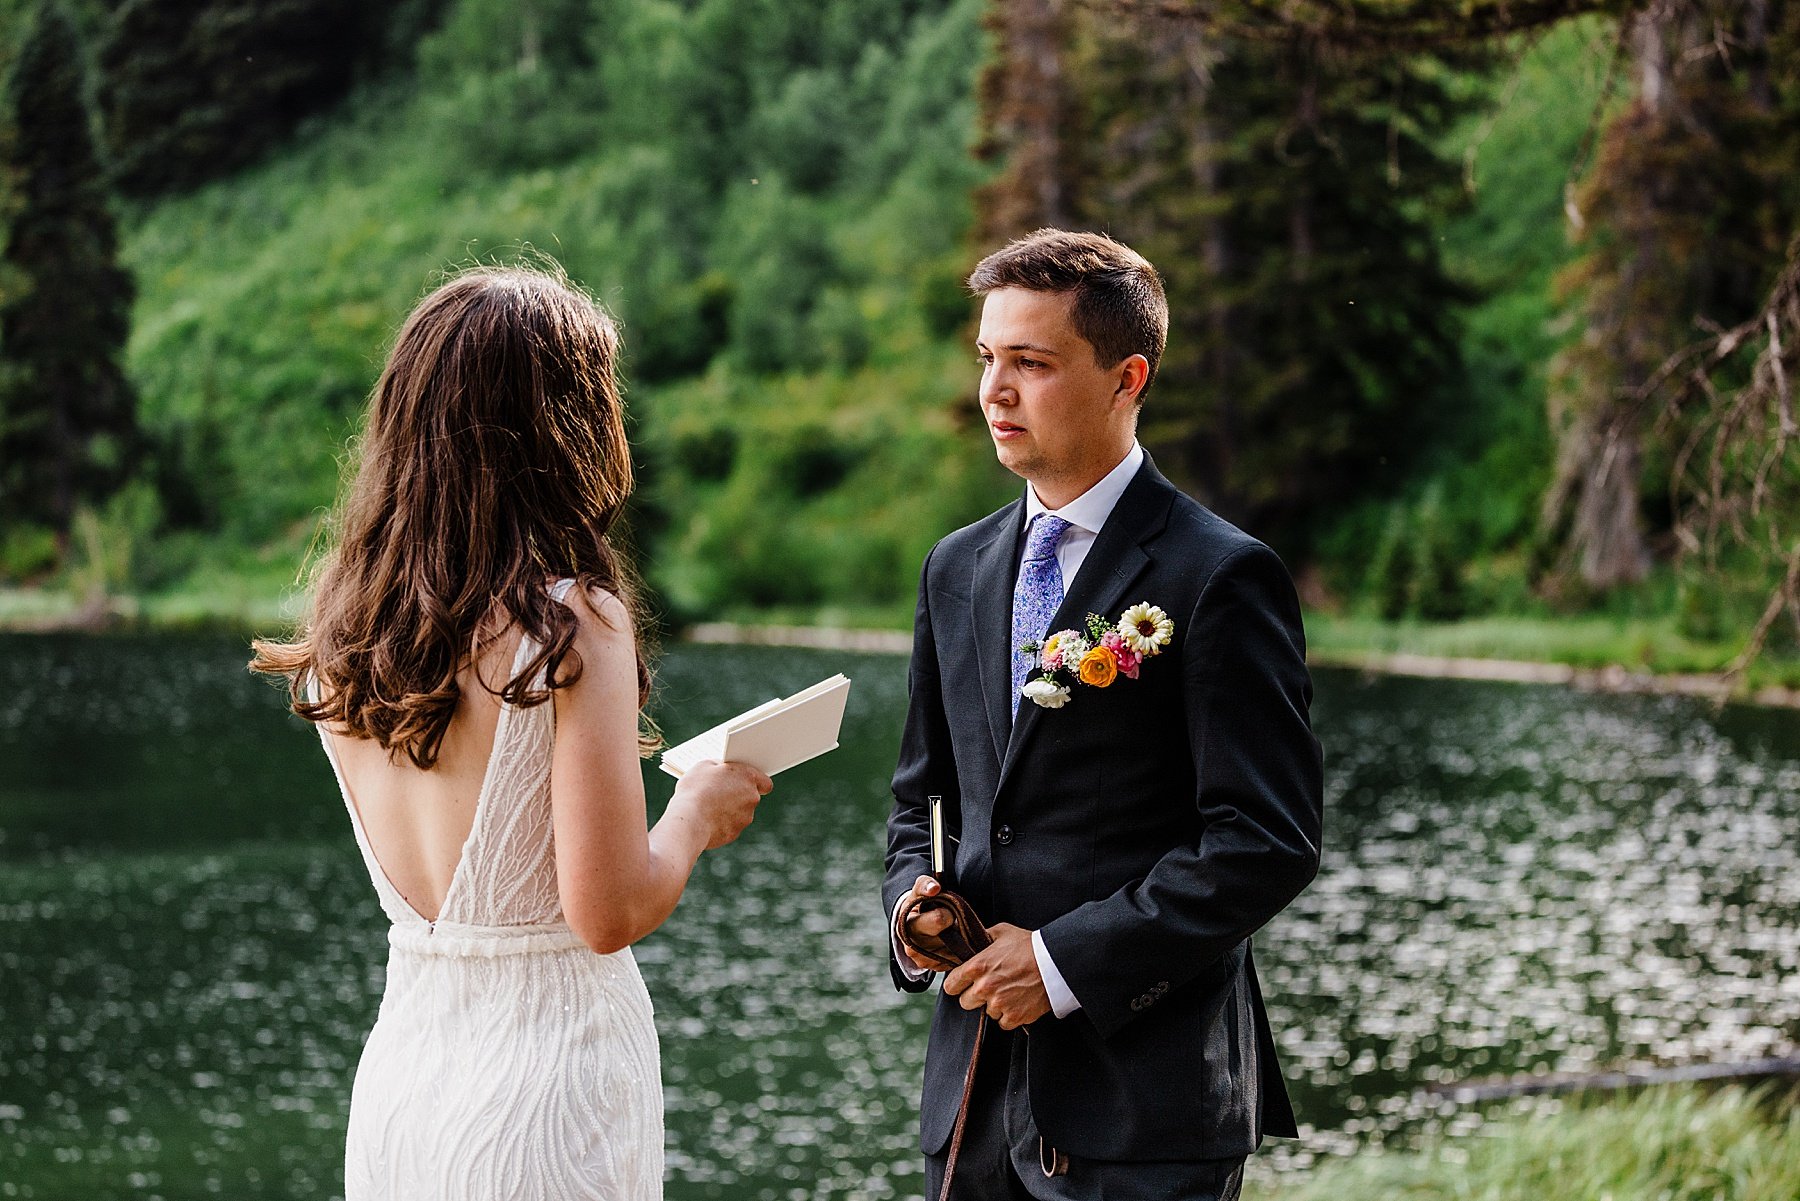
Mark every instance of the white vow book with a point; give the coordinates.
(772, 737)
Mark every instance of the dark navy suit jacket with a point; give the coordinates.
(1147, 829)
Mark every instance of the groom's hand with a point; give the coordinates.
(1003, 979)
(925, 927)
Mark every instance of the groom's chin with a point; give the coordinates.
(1012, 459)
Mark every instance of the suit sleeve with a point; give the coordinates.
(926, 767)
(1258, 789)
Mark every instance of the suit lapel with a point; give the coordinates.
(996, 566)
(1118, 558)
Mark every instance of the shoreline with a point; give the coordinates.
(129, 614)
(1612, 678)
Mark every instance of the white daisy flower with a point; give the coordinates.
(1045, 692)
(1146, 629)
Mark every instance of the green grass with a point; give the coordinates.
(240, 608)
(1663, 1145)
(1639, 643)
(1651, 644)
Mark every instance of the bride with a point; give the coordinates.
(470, 660)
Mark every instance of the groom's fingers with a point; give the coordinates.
(970, 982)
(934, 923)
(1003, 980)
(929, 924)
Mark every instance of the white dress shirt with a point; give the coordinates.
(1085, 515)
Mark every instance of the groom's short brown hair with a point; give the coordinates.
(1119, 304)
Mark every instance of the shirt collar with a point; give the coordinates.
(1090, 510)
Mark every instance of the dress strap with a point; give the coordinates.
(528, 646)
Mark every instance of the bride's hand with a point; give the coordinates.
(721, 798)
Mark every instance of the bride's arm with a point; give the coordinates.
(617, 880)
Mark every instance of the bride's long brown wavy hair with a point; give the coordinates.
(493, 461)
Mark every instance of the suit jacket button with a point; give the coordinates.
(1004, 836)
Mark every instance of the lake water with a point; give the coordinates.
(1516, 879)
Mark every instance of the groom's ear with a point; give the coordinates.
(1131, 375)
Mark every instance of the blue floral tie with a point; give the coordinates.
(1037, 596)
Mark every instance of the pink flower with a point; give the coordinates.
(1128, 661)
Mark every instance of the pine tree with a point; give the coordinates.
(1688, 287)
(1281, 188)
(1686, 215)
(68, 427)
(192, 89)
(1028, 107)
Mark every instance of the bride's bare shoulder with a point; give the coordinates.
(602, 619)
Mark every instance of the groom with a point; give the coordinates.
(1122, 838)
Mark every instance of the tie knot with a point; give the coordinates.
(1046, 533)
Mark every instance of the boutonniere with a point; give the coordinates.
(1098, 655)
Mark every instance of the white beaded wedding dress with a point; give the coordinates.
(508, 1060)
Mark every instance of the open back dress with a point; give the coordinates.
(509, 1060)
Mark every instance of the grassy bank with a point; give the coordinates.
(1652, 645)
(251, 596)
(771, 198)
(1664, 1145)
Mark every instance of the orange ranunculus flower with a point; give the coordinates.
(1099, 667)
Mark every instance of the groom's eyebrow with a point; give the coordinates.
(1031, 346)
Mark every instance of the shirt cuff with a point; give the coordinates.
(1062, 1001)
(914, 974)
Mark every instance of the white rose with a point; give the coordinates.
(1047, 693)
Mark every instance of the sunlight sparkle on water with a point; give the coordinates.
(1516, 880)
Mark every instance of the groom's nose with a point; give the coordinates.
(995, 390)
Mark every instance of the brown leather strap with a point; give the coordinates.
(960, 941)
(962, 1110)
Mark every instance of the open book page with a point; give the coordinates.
(773, 736)
(711, 744)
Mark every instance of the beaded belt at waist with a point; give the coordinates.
(464, 941)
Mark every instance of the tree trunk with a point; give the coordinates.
(1026, 105)
(1601, 460)
(1607, 528)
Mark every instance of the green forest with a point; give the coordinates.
(1484, 323)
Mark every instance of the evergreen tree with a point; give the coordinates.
(192, 89)
(1686, 218)
(1281, 187)
(1688, 287)
(1029, 108)
(68, 428)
